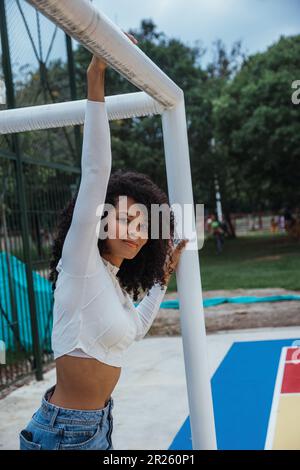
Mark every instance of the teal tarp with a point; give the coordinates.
(233, 300)
(44, 302)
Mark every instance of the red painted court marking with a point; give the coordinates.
(293, 354)
(291, 373)
(288, 383)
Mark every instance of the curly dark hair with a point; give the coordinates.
(147, 267)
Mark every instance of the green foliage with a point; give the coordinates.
(243, 102)
(258, 129)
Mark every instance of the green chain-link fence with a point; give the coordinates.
(39, 172)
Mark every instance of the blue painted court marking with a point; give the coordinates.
(242, 388)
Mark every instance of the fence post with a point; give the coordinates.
(21, 194)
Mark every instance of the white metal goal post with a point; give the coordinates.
(160, 95)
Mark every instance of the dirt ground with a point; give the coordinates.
(233, 316)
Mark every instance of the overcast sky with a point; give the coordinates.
(258, 23)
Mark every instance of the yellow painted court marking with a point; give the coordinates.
(287, 429)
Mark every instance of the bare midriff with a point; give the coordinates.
(83, 383)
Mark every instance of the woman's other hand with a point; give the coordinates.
(172, 261)
(131, 37)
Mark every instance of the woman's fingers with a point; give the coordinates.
(182, 244)
(172, 260)
(97, 64)
(101, 64)
(130, 36)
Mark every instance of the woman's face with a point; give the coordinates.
(128, 223)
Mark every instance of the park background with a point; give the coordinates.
(244, 141)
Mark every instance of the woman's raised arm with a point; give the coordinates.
(80, 254)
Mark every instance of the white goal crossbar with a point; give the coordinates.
(71, 113)
(85, 23)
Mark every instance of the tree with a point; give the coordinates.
(258, 129)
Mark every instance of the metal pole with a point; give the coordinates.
(21, 193)
(189, 285)
(217, 188)
(72, 82)
(218, 200)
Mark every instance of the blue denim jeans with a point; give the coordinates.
(55, 428)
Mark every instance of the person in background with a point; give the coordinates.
(217, 233)
(273, 225)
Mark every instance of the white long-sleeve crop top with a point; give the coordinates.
(92, 315)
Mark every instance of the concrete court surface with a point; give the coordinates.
(150, 398)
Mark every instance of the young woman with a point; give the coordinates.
(94, 318)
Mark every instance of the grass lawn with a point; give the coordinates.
(250, 262)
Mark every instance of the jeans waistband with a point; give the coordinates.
(58, 413)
